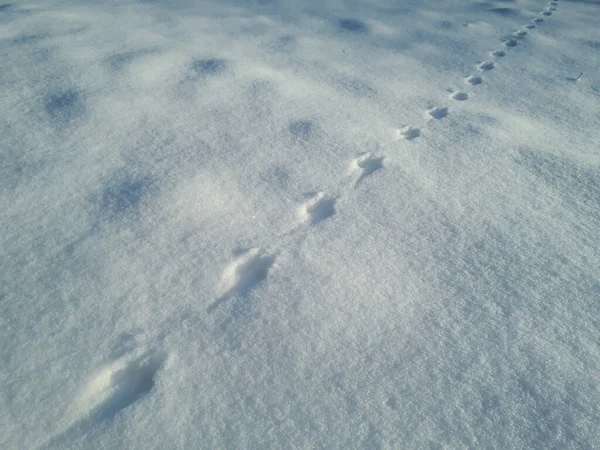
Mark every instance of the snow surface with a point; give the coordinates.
(299, 224)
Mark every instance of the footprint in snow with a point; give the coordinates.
(486, 65)
(499, 53)
(531, 26)
(392, 402)
(538, 20)
(118, 385)
(367, 164)
(460, 96)
(474, 80)
(409, 133)
(520, 34)
(511, 43)
(438, 112)
(320, 207)
(547, 13)
(552, 8)
(243, 274)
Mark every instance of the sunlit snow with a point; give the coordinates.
(272, 224)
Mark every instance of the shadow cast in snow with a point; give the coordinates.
(353, 26)
(124, 194)
(120, 61)
(209, 67)
(301, 129)
(64, 107)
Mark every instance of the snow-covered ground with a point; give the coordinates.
(300, 224)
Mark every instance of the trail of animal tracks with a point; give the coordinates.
(290, 224)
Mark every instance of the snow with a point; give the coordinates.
(280, 224)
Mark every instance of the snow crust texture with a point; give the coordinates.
(279, 224)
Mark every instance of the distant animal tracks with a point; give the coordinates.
(474, 80)
(438, 112)
(486, 65)
(460, 96)
(410, 133)
(251, 267)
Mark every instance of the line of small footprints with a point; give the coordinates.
(132, 374)
(412, 132)
(251, 266)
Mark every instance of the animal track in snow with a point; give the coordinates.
(367, 164)
(474, 80)
(410, 133)
(392, 402)
(460, 96)
(252, 267)
(246, 271)
(118, 385)
(318, 208)
(552, 8)
(520, 34)
(438, 112)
